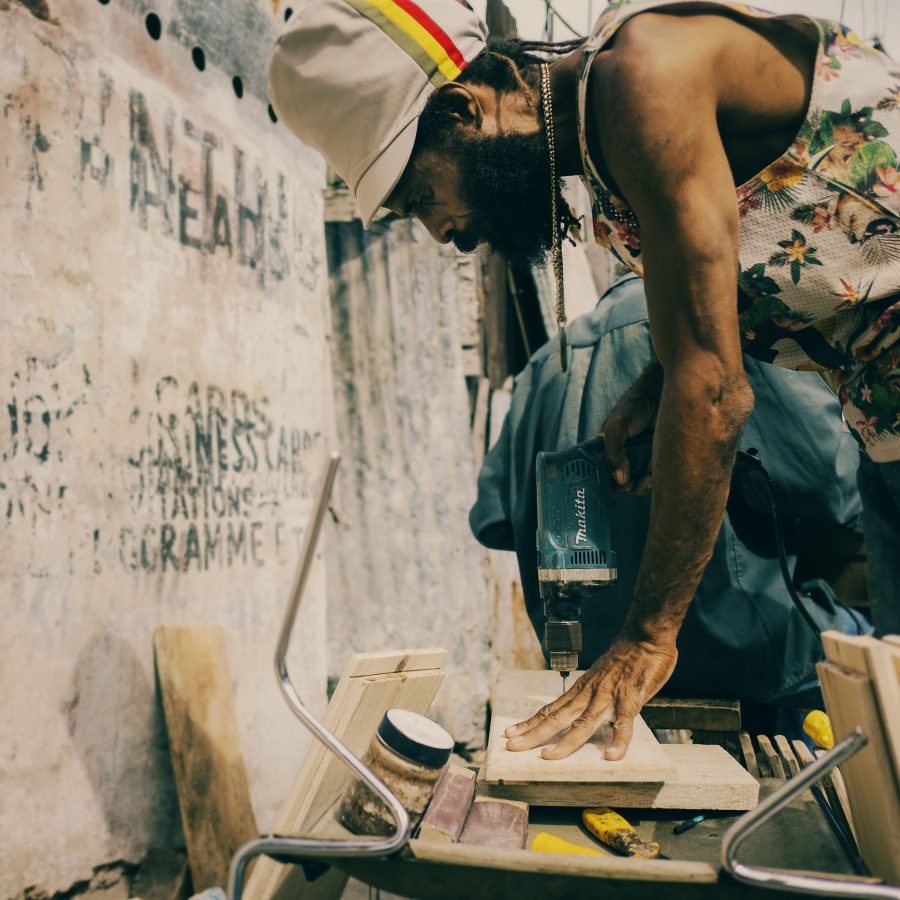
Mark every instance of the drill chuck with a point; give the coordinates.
(563, 642)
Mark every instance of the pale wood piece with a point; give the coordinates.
(447, 811)
(842, 812)
(874, 797)
(702, 777)
(774, 760)
(602, 867)
(840, 789)
(493, 822)
(407, 679)
(787, 754)
(213, 793)
(693, 712)
(880, 660)
(480, 421)
(518, 695)
(749, 754)
(395, 661)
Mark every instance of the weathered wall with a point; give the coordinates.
(164, 411)
(404, 569)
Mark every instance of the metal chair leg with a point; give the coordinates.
(310, 847)
(779, 880)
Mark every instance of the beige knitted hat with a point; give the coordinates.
(350, 78)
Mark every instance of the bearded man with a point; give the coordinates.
(744, 163)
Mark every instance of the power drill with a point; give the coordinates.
(574, 546)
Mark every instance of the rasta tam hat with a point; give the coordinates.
(350, 78)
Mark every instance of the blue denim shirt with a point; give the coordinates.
(742, 636)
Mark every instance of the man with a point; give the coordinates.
(742, 636)
(727, 152)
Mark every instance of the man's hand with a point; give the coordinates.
(614, 689)
(634, 413)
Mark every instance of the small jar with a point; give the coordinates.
(409, 754)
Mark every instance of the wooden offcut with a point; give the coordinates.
(871, 783)
(650, 776)
(372, 684)
(447, 811)
(518, 695)
(213, 793)
(496, 823)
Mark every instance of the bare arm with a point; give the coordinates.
(674, 173)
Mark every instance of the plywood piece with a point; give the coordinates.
(213, 793)
(771, 756)
(408, 679)
(749, 754)
(787, 755)
(518, 695)
(700, 777)
(871, 784)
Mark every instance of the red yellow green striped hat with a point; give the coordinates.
(350, 78)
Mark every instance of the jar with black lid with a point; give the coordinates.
(408, 753)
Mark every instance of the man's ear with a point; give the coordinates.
(459, 103)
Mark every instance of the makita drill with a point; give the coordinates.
(575, 554)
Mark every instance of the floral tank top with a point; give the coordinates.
(819, 280)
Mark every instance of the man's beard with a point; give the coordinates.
(505, 182)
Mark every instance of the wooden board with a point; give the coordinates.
(372, 684)
(213, 794)
(517, 695)
(871, 785)
(694, 713)
(880, 660)
(700, 777)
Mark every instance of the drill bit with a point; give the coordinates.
(565, 678)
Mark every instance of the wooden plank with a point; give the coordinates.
(880, 660)
(836, 780)
(518, 695)
(395, 661)
(787, 755)
(839, 808)
(871, 784)
(702, 777)
(772, 757)
(749, 754)
(447, 811)
(693, 713)
(480, 421)
(213, 793)
(372, 684)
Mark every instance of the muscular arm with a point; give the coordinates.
(674, 173)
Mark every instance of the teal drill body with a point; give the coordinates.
(576, 558)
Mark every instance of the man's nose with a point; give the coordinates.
(440, 228)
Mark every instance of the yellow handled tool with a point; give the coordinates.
(550, 843)
(613, 830)
(818, 726)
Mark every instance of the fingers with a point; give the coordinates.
(546, 723)
(644, 484)
(598, 711)
(623, 729)
(543, 713)
(615, 433)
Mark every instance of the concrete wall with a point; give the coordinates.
(164, 410)
(404, 569)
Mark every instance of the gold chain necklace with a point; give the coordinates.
(555, 244)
